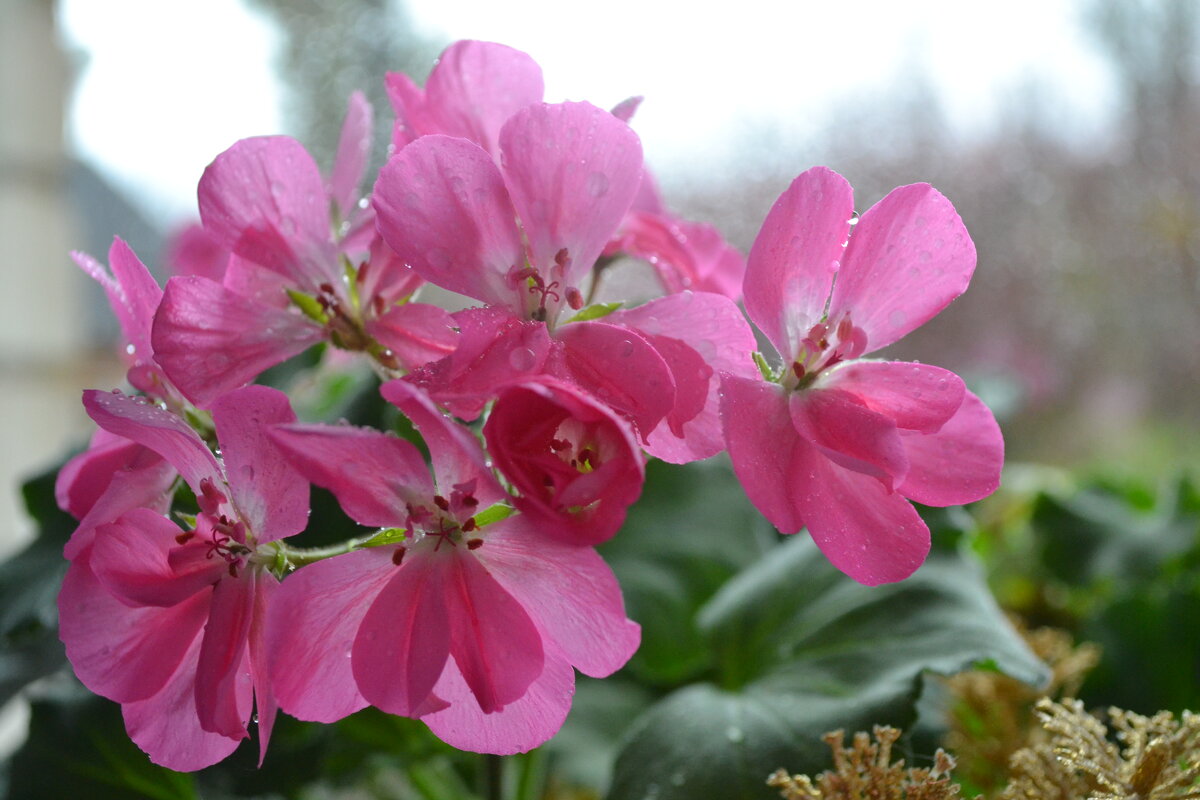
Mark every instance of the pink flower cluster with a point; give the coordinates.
(481, 591)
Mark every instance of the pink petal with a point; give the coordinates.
(223, 665)
(119, 652)
(960, 463)
(416, 333)
(625, 109)
(849, 433)
(270, 495)
(167, 728)
(686, 255)
(764, 447)
(256, 283)
(791, 265)
(311, 626)
(440, 203)
(474, 88)
(716, 330)
(494, 348)
(413, 117)
(518, 727)
(193, 250)
(148, 487)
(85, 477)
(210, 340)
(265, 199)
(404, 639)
(568, 590)
(495, 644)
(537, 433)
(572, 170)
(919, 397)
(619, 367)
(157, 429)
(131, 559)
(910, 255)
(354, 148)
(873, 535)
(455, 452)
(372, 474)
(265, 706)
(132, 293)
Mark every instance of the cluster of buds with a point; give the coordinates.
(481, 592)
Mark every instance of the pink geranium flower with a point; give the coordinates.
(576, 465)
(523, 237)
(306, 267)
(472, 628)
(170, 623)
(839, 444)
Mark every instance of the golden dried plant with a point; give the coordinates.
(865, 771)
(1158, 758)
(991, 713)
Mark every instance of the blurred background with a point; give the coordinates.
(1064, 132)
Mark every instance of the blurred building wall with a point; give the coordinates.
(45, 357)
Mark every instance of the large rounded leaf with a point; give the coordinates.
(802, 650)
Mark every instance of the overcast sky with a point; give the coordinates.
(166, 85)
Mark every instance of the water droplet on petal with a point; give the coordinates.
(522, 359)
(734, 734)
(597, 184)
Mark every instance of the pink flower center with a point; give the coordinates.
(827, 343)
(449, 522)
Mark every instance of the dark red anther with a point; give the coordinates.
(586, 455)
(574, 298)
(474, 544)
(798, 370)
(184, 537)
(378, 304)
(469, 501)
(469, 525)
(562, 258)
(441, 502)
(558, 445)
(327, 288)
(398, 555)
(233, 567)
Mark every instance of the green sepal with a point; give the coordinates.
(309, 305)
(351, 273)
(494, 514)
(596, 311)
(769, 374)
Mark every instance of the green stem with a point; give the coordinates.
(494, 780)
(301, 556)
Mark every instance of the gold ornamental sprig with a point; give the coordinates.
(865, 771)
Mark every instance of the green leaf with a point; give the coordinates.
(29, 583)
(596, 311)
(801, 650)
(1103, 533)
(692, 530)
